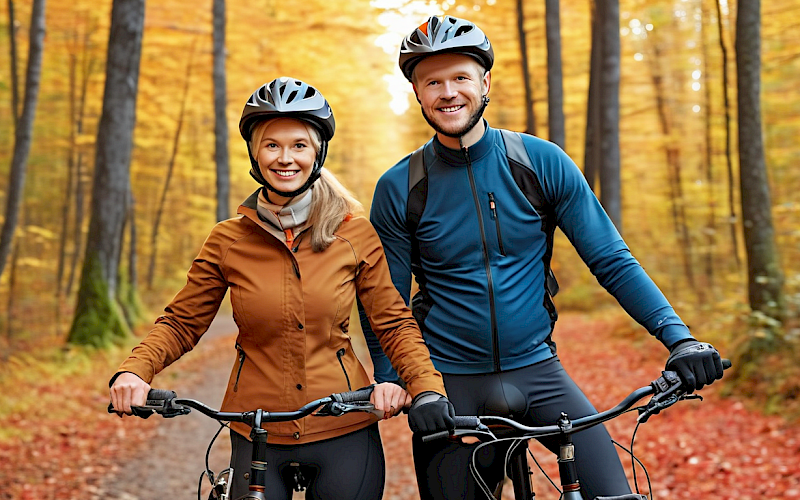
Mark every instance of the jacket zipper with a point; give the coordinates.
(339, 355)
(242, 357)
(493, 209)
(492, 311)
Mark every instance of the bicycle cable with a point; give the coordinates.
(208, 472)
(633, 457)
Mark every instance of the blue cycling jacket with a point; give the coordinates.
(483, 262)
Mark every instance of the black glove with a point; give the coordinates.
(697, 363)
(431, 412)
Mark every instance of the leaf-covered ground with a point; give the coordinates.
(715, 449)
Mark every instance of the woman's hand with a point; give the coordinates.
(389, 398)
(128, 390)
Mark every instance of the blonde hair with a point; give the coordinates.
(331, 203)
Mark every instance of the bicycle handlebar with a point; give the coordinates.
(666, 390)
(167, 404)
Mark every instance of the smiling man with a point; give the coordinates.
(471, 215)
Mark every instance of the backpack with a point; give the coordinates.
(528, 183)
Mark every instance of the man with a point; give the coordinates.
(480, 249)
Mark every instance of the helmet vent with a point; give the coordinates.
(291, 96)
(309, 93)
(462, 30)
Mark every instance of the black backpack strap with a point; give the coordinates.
(417, 197)
(415, 205)
(531, 187)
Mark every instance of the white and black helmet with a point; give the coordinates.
(287, 97)
(443, 35)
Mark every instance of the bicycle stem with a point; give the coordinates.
(567, 469)
(258, 468)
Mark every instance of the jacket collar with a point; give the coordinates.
(455, 157)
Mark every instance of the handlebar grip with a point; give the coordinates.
(462, 422)
(157, 397)
(726, 363)
(362, 394)
(467, 422)
(156, 400)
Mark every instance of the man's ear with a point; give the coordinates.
(487, 82)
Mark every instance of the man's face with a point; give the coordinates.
(450, 89)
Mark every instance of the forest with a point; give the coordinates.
(119, 150)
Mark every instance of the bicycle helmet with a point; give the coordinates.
(286, 97)
(446, 35)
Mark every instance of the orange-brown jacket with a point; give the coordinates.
(292, 308)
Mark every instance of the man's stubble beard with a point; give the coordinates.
(473, 120)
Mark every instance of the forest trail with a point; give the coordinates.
(714, 449)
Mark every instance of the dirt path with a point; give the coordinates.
(174, 457)
(714, 449)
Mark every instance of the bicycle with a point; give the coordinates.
(168, 405)
(666, 390)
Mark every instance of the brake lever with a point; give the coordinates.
(335, 409)
(172, 409)
(668, 390)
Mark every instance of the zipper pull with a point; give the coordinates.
(492, 206)
(241, 363)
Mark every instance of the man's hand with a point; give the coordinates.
(697, 363)
(431, 412)
(128, 390)
(389, 398)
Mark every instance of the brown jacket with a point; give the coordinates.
(293, 309)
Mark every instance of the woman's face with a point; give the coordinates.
(285, 155)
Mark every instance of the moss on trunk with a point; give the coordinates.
(98, 321)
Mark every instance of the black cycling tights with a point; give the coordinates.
(535, 395)
(349, 467)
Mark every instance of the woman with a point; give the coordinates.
(294, 262)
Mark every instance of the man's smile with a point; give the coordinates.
(451, 109)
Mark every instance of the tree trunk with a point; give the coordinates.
(707, 288)
(127, 292)
(591, 153)
(764, 273)
(610, 189)
(555, 86)
(78, 237)
(530, 115)
(728, 150)
(98, 319)
(23, 132)
(220, 112)
(170, 170)
(12, 48)
(673, 157)
(69, 189)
